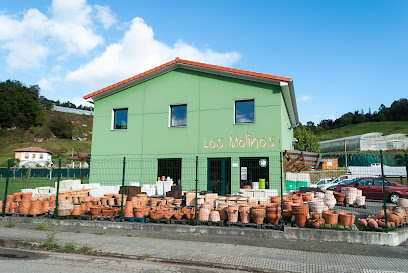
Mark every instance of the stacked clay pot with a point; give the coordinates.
(346, 218)
(128, 211)
(300, 211)
(329, 199)
(232, 212)
(273, 213)
(25, 203)
(204, 212)
(95, 210)
(339, 197)
(222, 209)
(245, 213)
(316, 219)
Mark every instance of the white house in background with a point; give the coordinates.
(33, 156)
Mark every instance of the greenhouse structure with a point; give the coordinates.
(366, 142)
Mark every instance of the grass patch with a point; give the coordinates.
(69, 247)
(385, 127)
(51, 242)
(42, 227)
(78, 231)
(85, 249)
(99, 233)
(10, 225)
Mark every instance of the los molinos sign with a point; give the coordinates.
(248, 141)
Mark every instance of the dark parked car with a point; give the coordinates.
(372, 188)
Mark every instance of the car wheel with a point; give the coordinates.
(394, 197)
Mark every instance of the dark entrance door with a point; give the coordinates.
(219, 175)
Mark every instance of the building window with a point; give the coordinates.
(170, 167)
(120, 118)
(26, 155)
(41, 156)
(244, 111)
(178, 115)
(34, 156)
(254, 168)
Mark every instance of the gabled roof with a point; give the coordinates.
(32, 149)
(285, 82)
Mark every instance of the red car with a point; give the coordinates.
(372, 188)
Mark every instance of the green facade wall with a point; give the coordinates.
(210, 130)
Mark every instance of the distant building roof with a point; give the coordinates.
(32, 149)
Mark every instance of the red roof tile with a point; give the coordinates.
(32, 149)
(195, 64)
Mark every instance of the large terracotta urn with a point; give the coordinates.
(214, 216)
(232, 212)
(258, 215)
(245, 213)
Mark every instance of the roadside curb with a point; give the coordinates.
(393, 238)
(38, 246)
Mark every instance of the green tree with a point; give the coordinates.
(306, 140)
(60, 127)
(19, 105)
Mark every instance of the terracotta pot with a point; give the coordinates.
(372, 223)
(138, 211)
(393, 218)
(36, 207)
(168, 214)
(331, 217)
(275, 199)
(346, 218)
(246, 187)
(95, 210)
(84, 207)
(177, 202)
(287, 204)
(362, 222)
(46, 206)
(25, 206)
(214, 216)
(53, 197)
(107, 211)
(178, 215)
(245, 213)
(317, 223)
(307, 197)
(26, 195)
(76, 211)
(300, 219)
(258, 215)
(400, 216)
(232, 212)
(273, 218)
(315, 215)
(204, 214)
(104, 201)
(156, 214)
(153, 202)
(111, 201)
(340, 197)
(287, 215)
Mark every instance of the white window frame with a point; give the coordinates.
(113, 118)
(169, 122)
(233, 117)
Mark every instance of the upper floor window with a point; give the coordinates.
(178, 115)
(244, 111)
(26, 155)
(41, 156)
(34, 156)
(120, 118)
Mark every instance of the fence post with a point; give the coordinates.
(281, 188)
(123, 188)
(406, 165)
(196, 193)
(6, 189)
(58, 184)
(383, 189)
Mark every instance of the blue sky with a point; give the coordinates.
(342, 55)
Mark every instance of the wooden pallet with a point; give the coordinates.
(158, 221)
(181, 222)
(134, 219)
(209, 223)
(80, 217)
(45, 214)
(104, 218)
(244, 225)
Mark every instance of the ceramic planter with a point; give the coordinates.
(307, 197)
(275, 199)
(232, 212)
(245, 213)
(287, 215)
(300, 219)
(138, 211)
(76, 211)
(346, 219)
(178, 215)
(331, 217)
(273, 218)
(214, 216)
(258, 215)
(95, 210)
(362, 222)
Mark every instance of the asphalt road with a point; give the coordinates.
(12, 260)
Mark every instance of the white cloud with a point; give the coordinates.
(137, 52)
(305, 98)
(105, 16)
(69, 29)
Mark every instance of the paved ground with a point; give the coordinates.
(233, 251)
(48, 262)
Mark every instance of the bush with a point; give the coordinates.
(60, 127)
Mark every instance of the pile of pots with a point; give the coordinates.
(354, 196)
(23, 203)
(396, 215)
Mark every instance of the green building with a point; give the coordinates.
(237, 122)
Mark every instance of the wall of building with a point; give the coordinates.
(210, 130)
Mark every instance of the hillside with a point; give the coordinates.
(385, 127)
(11, 139)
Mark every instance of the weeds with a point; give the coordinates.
(42, 227)
(85, 249)
(10, 225)
(147, 256)
(51, 241)
(69, 247)
(99, 233)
